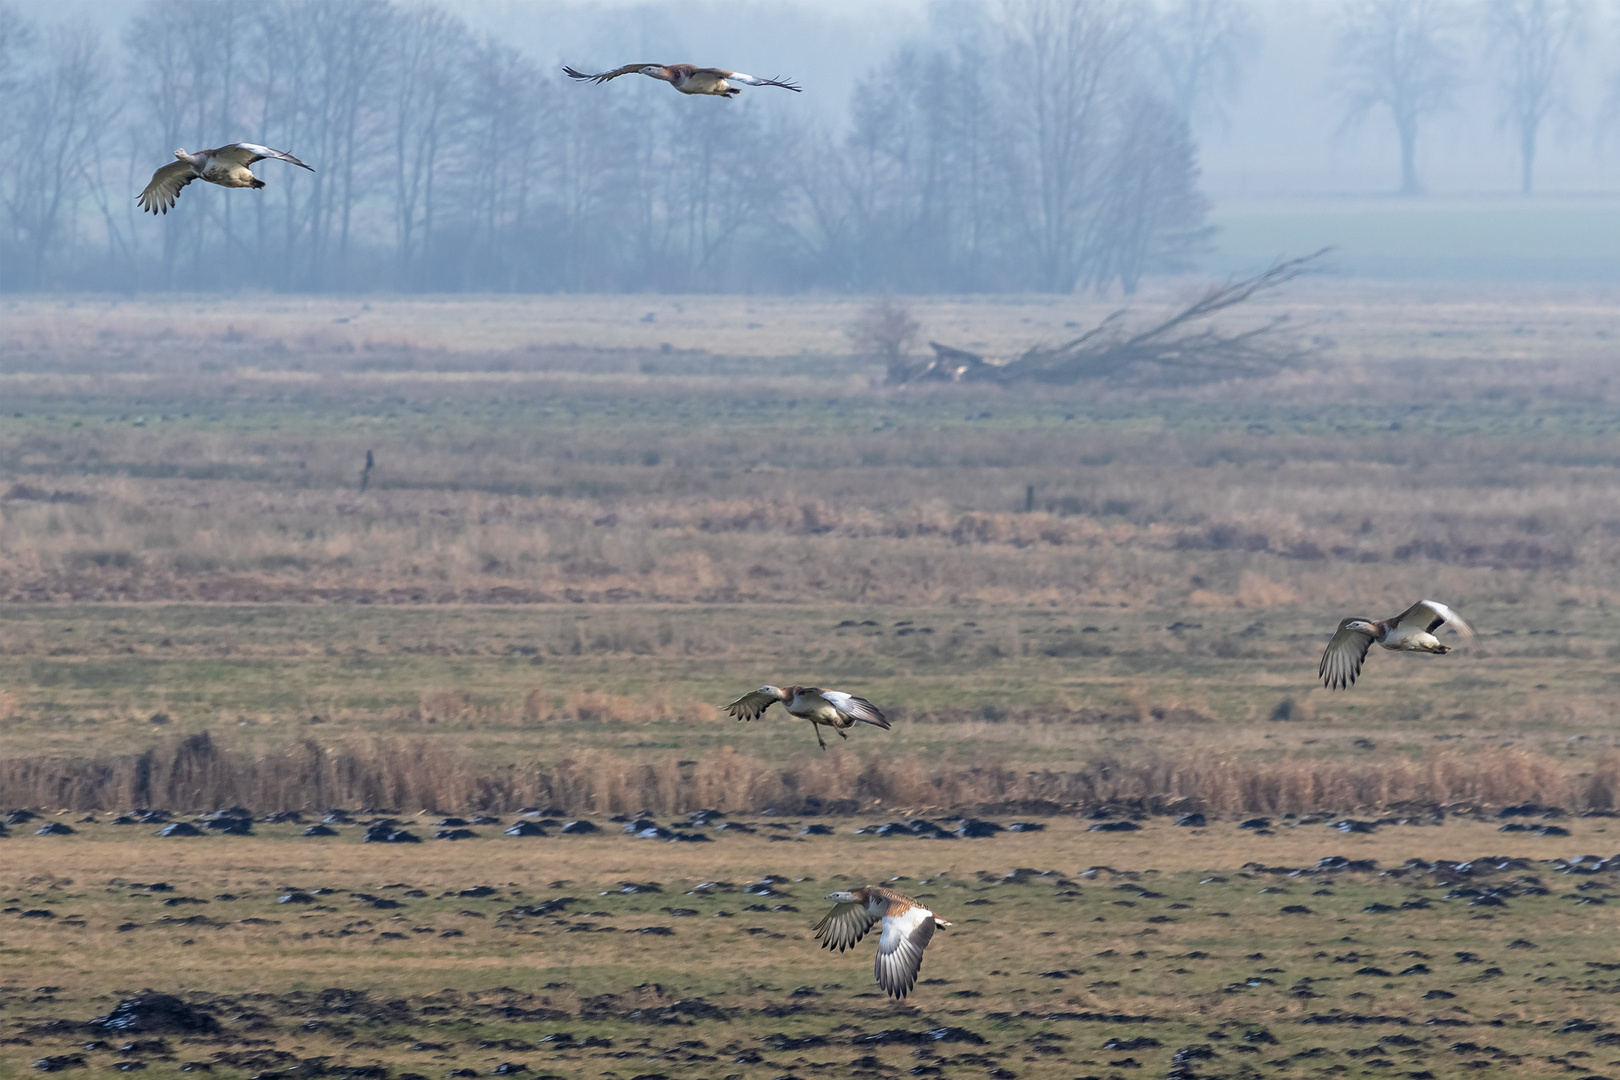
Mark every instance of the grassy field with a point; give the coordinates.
(1164, 938)
(574, 539)
(588, 521)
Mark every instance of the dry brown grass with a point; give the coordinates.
(1154, 523)
(1448, 442)
(408, 775)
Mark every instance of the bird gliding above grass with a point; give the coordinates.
(1410, 631)
(823, 708)
(907, 929)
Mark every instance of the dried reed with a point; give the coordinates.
(406, 774)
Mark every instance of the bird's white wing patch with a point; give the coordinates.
(750, 706)
(750, 80)
(900, 949)
(843, 926)
(856, 707)
(246, 153)
(1431, 615)
(165, 187)
(1341, 660)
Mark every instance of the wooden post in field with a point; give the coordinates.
(365, 473)
(1029, 499)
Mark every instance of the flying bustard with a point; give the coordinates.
(907, 928)
(823, 708)
(1410, 631)
(226, 166)
(687, 78)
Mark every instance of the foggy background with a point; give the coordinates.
(1023, 145)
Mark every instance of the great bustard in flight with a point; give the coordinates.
(823, 708)
(907, 929)
(686, 78)
(226, 166)
(1410, 631)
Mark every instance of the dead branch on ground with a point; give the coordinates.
(1180, 349)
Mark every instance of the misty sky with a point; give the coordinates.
(1283, 172)
(1281, 137)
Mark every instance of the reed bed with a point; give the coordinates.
(406, 775)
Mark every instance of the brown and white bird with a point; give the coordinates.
(907, 929)
(226, 166)
(1410, 631)
(687, 78)
(823, 708)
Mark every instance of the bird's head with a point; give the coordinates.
(657, 71)
(1362, 626)
(774, 691)
(180, 152)
(843, 896)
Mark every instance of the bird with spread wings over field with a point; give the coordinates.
(686, 78)
(907, 929)
(226, 166)
(823, 708)
(1410, 631)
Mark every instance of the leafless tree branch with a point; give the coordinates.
(1180, 348)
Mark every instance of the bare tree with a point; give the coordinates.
(16, 42)
(886, 329)
(1532, 39)
(721, 179)
(598, 151)
(16, 50)
(1201, 46)
(1399, 55)
(504, 111)
(428, 66)
(1073, 55)
(58, 114)
(183, 56)
(1150, 212)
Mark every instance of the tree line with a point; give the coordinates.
(1013, 145)
(451, 161)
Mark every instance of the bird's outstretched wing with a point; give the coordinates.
(602, 77)
(857, 707)
(843, 926)
(900, 949)
(246, 153)
(750, 706)
(1431, 615)
(750, 80)
(165, 187)
(1341, 660)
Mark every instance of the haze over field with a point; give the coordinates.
(452, 155)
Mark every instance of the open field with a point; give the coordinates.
(1163, 938)
(582, 529)
(573, 539)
